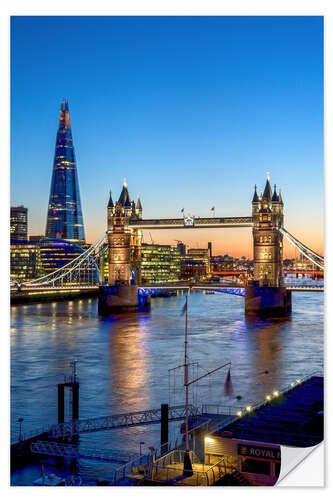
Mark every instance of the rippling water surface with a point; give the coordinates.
(123, 362)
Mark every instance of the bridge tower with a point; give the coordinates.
(124, 245)
(267, 294)
(119, 239)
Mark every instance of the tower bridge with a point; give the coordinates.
(266, 293)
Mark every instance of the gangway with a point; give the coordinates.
(78, 451)
(146, 417)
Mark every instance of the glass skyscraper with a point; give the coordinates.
(64, 217)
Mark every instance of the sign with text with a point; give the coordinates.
(247, 450)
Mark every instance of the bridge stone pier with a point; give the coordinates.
(266, 294)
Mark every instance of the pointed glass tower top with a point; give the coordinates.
(64, 217)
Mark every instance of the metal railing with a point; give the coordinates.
(122, 473)
(24, 436)
(170, 469)
(217, 409)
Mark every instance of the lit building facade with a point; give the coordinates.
(160, 263)
(200, 255)
(55, 253)
(223, 263)
(18, 224)
(64, 218)
(192, 268)
(25, 261)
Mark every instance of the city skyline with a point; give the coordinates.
(192, 111)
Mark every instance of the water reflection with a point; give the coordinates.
(128, 365)
(124, 361)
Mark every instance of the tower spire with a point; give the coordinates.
(275, 196)
(268, 190)
(255, 198)
(110, 204)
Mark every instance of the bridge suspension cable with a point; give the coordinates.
(309, 254)
(74, 266)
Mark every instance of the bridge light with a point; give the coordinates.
(248, 408)
(239, 414)
(298, 381)
(268, 397)
(276, 393)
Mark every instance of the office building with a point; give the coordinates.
(25, 261)
(18, 224)
(160, 263)
(64, 218)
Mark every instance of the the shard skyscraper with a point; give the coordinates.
(64, 217)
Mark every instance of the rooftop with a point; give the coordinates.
(295, 418)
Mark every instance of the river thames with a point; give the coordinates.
(124, 362)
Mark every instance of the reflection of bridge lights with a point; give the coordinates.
(209, 440)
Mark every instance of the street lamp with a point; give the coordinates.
(20, 420)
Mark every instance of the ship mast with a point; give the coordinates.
(186, 375)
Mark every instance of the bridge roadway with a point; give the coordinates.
(220, 287)
(32, 293)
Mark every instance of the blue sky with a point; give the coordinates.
(191, 110)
